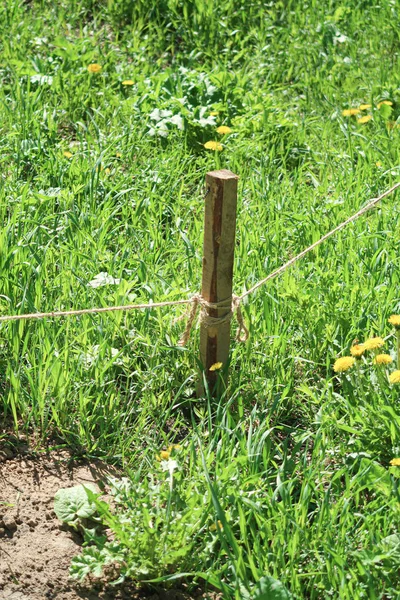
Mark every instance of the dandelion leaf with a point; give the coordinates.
(72, 504)
(269, 588)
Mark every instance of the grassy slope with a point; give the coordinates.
(130, 204)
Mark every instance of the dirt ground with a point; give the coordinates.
(35, 548)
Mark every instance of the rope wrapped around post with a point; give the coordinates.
(233, 306)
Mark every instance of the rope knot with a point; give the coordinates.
(206, 320)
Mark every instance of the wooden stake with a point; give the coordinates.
(218, 254)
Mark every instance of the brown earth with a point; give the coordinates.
(35, 548)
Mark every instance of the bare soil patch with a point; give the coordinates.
(35, 548)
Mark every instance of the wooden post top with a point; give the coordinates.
(223, 174)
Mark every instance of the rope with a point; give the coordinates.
(233, 305)
(91, 311)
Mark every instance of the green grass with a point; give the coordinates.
(287, 432)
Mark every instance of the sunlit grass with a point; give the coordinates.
(102, 176)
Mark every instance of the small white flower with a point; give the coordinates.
(103, 279)
(210, 120)
(162, 128)
(177, 120)
(42, 79)
(169, 465)
(155, 115)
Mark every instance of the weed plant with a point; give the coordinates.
(102, 171)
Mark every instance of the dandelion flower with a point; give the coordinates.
(214, 113)
(395, 321)
(383, 359)
(164, 455)
(387, 102)
(394, 377)
(395, 462)
(216, 366)
(224, 129)
(357, 350)
(94, 68)
(128, 82)
(364, 119)
(67, 154)
(374, 343)
(174, 447)
(343, 364)
(365, 106)
(350, 112)
(213, 146)
(118, 154)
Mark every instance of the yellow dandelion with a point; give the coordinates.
(174, 447)
(213, 527)
(357, 350)
(395, 321)
(94, 68)
(343, 364)
(387, 102)
(213, 146)
(216, 366)
(364, 119)
(383, 359)
(374, 343)
(350, 112)
(128, 82)
(395, 462)
(67, 154)
(214, 113)
(224, 129)
(378, 163)
(394, 377)
(365, 106)
(118, 154)
(107, 171)
(164, 455)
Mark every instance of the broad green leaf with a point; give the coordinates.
(374, 477)
(71, 504)
(269, 588)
